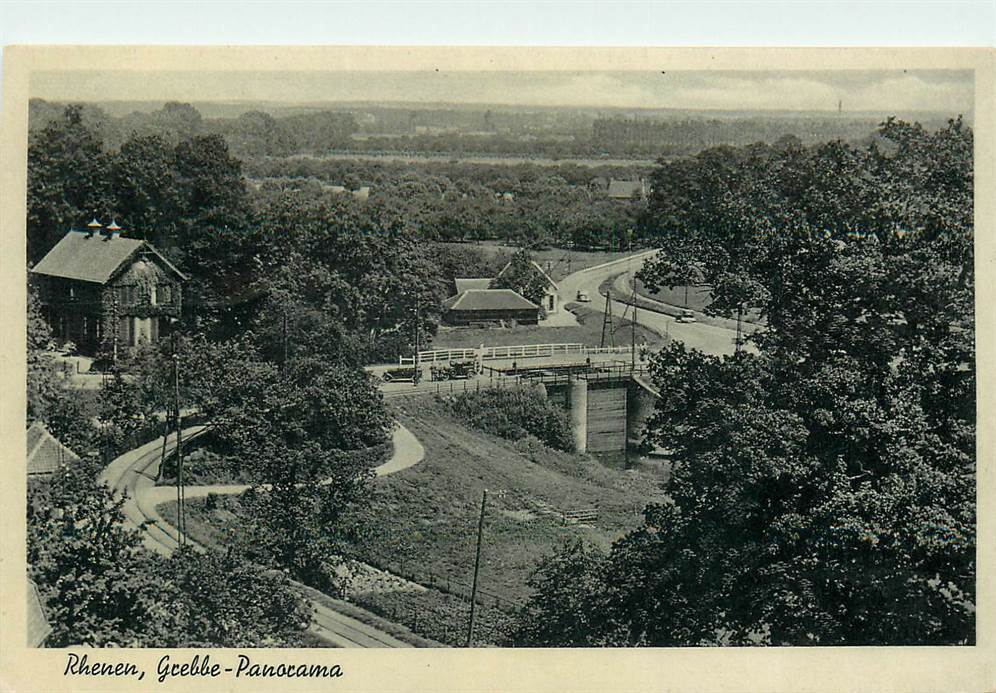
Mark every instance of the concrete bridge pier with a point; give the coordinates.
(577, 399)
(639, 407)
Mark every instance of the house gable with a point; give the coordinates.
(96, 258)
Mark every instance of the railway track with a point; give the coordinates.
(128, 476)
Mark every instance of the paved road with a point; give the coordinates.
(133, 474)
(710, 339)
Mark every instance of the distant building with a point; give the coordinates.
(489, 306)
(106, 293)
(627, 189)
(551, 295)
(45, 453)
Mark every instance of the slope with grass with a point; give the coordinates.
(427, 515)
(422, 521)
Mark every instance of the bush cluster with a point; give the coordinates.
(515, 413)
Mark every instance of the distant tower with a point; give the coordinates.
(840, 106)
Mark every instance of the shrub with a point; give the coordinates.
(515, 413)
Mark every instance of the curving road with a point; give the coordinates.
(711, 339)
(132, 476)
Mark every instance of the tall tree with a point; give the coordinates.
(68, 181)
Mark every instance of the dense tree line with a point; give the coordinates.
(523, 204)
(823, 488)
(547, 133)
(681, 136)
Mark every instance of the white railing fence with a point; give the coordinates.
(521, 351)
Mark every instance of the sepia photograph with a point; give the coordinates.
(531, 360)
(513, 359)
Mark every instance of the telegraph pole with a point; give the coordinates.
(477, 568)
(633, 332)
(181, 524)
(415, 377)
(607, 320)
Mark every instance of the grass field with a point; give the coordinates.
(589, 332)
(422, 522)
(694, 297)
(426, 516)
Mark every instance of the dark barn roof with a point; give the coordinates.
(96, 258)
(489, 299)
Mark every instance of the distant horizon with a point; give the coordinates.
(788, 91)
(471, 105)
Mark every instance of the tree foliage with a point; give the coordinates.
(100, 587)
(823, 488)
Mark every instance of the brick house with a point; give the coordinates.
(106, 293)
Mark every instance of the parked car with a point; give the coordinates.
(582, 297)
(453, 371)
(396, 375)
(686, 316)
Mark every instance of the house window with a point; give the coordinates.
(164, 293)
(152, 295)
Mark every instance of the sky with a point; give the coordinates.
(949, 91)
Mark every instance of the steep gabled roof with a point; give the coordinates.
(471, 283)
(538, 269)
(489, 299)
(45, 452)
(96, 258)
